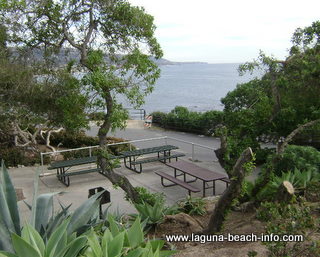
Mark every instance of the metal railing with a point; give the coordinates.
(165, 138)
(141, 113)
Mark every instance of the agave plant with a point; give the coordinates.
(117, 241)
(59, 244)
(43, 220)
(298, 179)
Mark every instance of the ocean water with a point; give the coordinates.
(199, 87)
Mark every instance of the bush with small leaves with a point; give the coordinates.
(289, 220)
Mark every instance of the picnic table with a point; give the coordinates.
(63, 167)
(188, 168)
(163, 153)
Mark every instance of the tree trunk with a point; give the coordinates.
(285, 192)
(282, 146)
(220, 153)
(232, 192)
(118, 180)
(115, 178)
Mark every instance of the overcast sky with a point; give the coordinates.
(224, 31)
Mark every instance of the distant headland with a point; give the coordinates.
(67, 54)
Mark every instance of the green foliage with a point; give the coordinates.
(154, 214)
(146, 196)
(252, 254)
(235, 146)
(30, 243)
(312, 193)
(119, 241)
(283, 220)
(192, 206)
(80, 139)
(303, 158)
(263, 154)
(9, 214)
(180, 118)
(281, 99)
(246, 192)
(14, 156)
(43, 219)
(298, 179)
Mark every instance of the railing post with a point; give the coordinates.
(192, 144)
(41, 158)
(166, 140)
(90, 152)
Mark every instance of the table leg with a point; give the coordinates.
(214, 187)
(204, 188)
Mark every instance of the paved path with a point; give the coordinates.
(136, 132)
(78, 190)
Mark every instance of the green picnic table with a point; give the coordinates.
(63, 167)
(163, 154)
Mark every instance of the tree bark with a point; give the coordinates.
(285, 192)
(282, 146)
(232, 192)
(115, 178)
(220, 153)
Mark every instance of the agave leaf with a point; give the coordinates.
(30, 235)
(23, 248)
(135, 234)
(34, 200)
(93, 242)
(8, 201)
(136, 252)
(116, 245)
(74, 247)
(7, 254)
(55, 221)
(28, 205)
(156, 244)
(57, 240)
(5, 239)
(83, 214)
(113, 226)
(43, 210)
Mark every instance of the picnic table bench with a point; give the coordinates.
(176, 181)
(188, 168)
(163, 154)
(63, 167)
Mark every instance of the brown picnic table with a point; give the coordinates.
(207, 176)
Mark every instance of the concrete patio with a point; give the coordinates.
(77, 192)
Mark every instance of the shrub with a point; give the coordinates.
(73, 140)
(192, 206)
(77, 140)
(312, 191)
(15, 156)
(262, 155)
(148, 197)
(286, 220)
(297, 157)
(181, 119)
